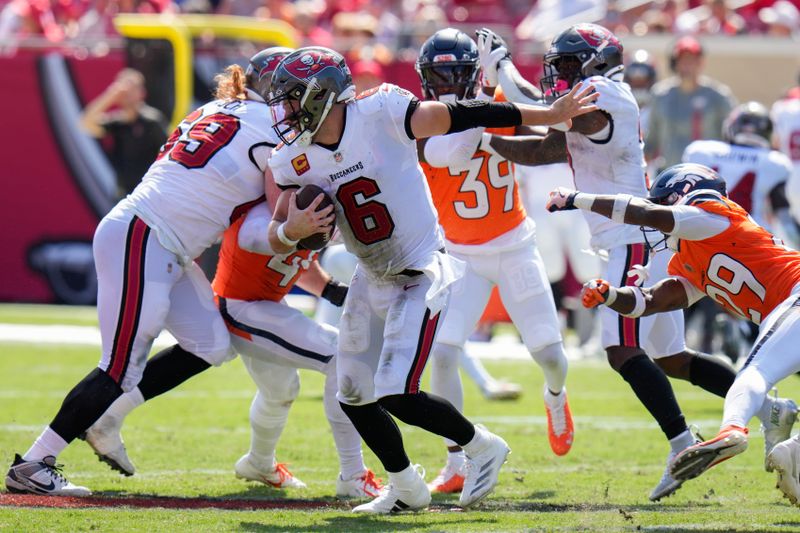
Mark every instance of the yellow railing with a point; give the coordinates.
(179, 30)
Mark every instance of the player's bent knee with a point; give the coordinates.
(550, 356)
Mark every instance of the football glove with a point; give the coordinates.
(561, 199)
(335, 292)
(597, 292)
(491, 50)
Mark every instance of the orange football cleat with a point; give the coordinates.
(449, 481)
(560, 429)
(694, 460)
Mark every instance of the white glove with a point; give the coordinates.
(641, 273)
(489, 59)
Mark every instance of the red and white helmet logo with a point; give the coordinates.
(596, 36)
(310, 64)
(270, 65)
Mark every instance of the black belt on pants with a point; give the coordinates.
(411, 273)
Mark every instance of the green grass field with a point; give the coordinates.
(185, 444)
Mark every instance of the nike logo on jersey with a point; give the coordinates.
(411, 286)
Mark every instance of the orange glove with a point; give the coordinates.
(597, 292)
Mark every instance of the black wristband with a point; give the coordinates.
(468, 114)
(335, 292)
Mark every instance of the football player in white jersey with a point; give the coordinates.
(485, 225)
(362, 152)
(273, 340)
(606, 155)
(785, 114)
(756, 176)
(211, 169)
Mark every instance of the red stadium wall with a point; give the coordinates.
(47, 223)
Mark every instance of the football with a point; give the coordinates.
(304, 197)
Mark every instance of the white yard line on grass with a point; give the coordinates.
(504, 348)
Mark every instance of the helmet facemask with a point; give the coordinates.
(561, 73)
(299, 113)
(449, 81)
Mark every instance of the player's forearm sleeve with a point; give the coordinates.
(468, 114)
(455, 149)
(254, 231)
(695, 224)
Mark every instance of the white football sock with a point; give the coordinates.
(267, 420)
(682, 441)
(405, 478)
(126, 403)
(345, 436)
(745, 397)
(445, 379)
(553, 361)
(48, 443)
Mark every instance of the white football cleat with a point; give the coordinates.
(483, 467)
(501, 390)
(785, 460)
(365, 485)
(275, 475)
(105, 438)
(41, 477)
(779, 427)
(393, 499)
(668, 485)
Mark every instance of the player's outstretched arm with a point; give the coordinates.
(436, 118)
(290, 224)
(530, 150)
(319, 283)
(666, 295)
(622, 208)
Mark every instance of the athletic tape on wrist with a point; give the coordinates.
(584, 201)
(620, 206)
(284, 238)
(638, 308)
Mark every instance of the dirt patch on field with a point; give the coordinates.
(66, 502)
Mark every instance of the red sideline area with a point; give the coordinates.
(68, 502)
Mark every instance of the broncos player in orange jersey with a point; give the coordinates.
(485, 225)
(720, 252)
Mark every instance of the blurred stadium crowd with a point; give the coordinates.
(395, 28)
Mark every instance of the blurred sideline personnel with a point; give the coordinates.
(720, 252)
(147, 279)
(273, 339)
(640, 74)
(362, 153)
(136, 129)
(606, 156)
(485, 225)
(785, 114)
(685, 107)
